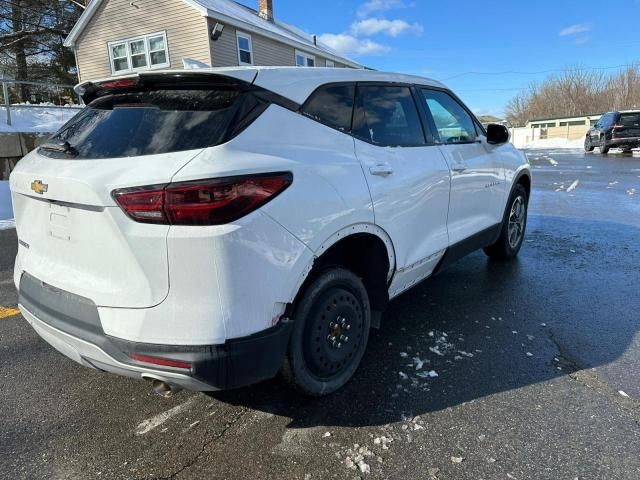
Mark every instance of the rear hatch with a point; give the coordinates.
(72, 235)
(628, 126)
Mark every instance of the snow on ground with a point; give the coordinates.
(44, 119)
(6, 208)
(555, 143)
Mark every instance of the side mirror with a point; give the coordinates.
(497, 134)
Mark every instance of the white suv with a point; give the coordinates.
(208, 229)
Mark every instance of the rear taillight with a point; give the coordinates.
(204, 202)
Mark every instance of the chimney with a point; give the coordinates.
(266, 9)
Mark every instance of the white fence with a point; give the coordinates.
(573, 136)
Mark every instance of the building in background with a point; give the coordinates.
(570, 128)
(119, 37)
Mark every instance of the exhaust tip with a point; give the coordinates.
(162, 388)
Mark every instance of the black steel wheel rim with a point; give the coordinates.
(333, 333)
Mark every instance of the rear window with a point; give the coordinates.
(630, 119)
(332, 105)
(150, 122)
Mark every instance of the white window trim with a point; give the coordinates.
(126, 43)
(246, 36)
(306, 57)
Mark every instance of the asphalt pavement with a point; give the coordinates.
(522, 370)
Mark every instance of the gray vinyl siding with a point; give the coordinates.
(187, 34)
(266, 52)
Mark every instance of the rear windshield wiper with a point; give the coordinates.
(62, 147)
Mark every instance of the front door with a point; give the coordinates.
(477, 172)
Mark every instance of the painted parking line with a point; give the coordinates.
(8, 312)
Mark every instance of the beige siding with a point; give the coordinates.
(187, 34)
(266, 52)
(269, 52)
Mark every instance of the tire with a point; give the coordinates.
(587, 144)
(508, 244)
(604, 148)
(332, 320)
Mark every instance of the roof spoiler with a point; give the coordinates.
(89, 91)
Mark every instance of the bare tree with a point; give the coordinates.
(576, 91)
(32, 33)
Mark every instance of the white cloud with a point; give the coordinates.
(393, 28)
(575, 29)
(346, 44)
(379, 6)
(582, 40)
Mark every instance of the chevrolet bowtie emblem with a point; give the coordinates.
(39, 187)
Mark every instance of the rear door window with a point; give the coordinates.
(150, 122)
(332, 105)
(387, 116)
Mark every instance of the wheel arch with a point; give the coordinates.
(353, 247)
(523, 178)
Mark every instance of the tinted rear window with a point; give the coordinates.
(332, 105)
(150, 122)
(630, 119)
(387, 116)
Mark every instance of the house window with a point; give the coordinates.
(574, 123)
(245, 48)
(330, 64)
(141, 53)
(305, 60)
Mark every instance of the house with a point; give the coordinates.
(117, 37)
(571, 128)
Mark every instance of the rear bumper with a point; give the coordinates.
(631, 141)
(71, 325)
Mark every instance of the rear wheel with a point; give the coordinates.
(331, 328)
(514, 225)
(587, 144)
(604, 148)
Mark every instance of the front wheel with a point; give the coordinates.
(604, 148)
(513, 228)
(587, 144)
(331, 328)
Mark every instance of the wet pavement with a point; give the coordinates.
(521, 370)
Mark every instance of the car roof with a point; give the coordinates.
(296, 83)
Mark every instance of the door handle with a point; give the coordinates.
(381, 170)
(459, 169)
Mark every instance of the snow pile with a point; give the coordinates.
(41, 119)
(555, 143)
(6, 207)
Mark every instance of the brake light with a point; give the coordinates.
(204, 202)
(164, 362)
(127, 82)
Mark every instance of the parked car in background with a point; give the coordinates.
(615, 130)
(208, 229)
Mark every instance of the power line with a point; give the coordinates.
(554, 70)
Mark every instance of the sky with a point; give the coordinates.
(486, 52)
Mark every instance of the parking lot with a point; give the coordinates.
(521, 370)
